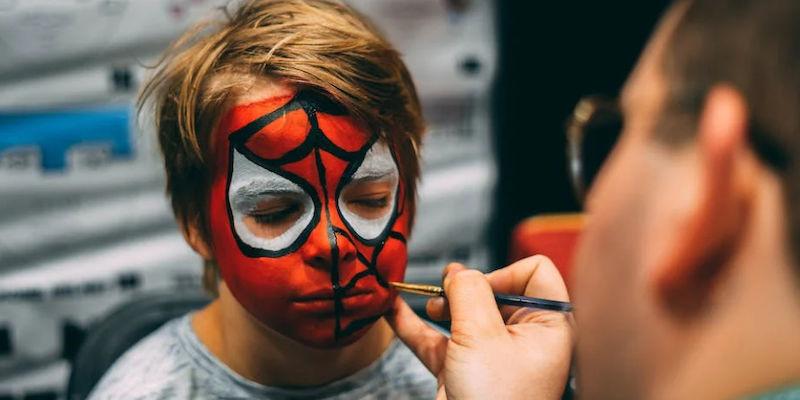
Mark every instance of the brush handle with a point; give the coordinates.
(504, 299)
(532, 302)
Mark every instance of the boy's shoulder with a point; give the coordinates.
(157, 367)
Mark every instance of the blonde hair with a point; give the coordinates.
(318, 44)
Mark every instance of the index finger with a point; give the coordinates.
(535, 276)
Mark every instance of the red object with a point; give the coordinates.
(322, 281)
(553, 235)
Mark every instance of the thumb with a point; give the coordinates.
(425, 342)
(473, 310)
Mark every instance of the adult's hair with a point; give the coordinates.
(315, 44)
(753, 45)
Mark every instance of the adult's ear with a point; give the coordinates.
(194, 237)
(716, 216)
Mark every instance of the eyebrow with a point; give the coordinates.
(374, 172)
(260, 186)
(371, 178)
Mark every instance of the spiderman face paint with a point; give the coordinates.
(306, 214)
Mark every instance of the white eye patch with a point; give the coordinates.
(251, 185)
(379, 166)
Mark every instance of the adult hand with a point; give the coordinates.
(505, 353)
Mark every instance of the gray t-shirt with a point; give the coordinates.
(172, 363)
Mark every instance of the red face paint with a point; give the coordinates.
(307, 221)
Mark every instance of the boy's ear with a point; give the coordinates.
(716, 217)
(193, 236)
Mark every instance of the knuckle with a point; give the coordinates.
(469, 277)
(539, 259)
(536, 262)
(452, 267)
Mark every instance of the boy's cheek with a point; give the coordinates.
(392, 260)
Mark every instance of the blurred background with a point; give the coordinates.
(84, 224)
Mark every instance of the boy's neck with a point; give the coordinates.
(269, 358)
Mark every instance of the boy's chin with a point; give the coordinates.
(327, 339)
(334, 343)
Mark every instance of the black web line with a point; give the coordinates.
(397, 235)
(359, 254)
(337, 290)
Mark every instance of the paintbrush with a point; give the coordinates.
(504, 299)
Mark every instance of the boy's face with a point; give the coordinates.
(307, 217)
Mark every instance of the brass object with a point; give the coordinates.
(428, 290)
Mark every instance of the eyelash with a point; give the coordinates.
(373, 203)
(276, 216)
(282, 214)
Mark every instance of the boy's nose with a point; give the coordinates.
(324, 246)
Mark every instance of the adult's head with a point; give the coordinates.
(686, 284)
(290, 132)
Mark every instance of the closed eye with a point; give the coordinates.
(275, 216)
(271, 218)
(268, 210)
(371, 202)
(368, 199)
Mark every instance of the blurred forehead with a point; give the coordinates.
(646, 89)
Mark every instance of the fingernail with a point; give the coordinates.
(437, 302)
(447, 278)
(451, 272)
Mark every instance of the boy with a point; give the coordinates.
(290, 133)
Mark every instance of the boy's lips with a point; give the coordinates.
(322, 302)
(325, 292)
(328, 295)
